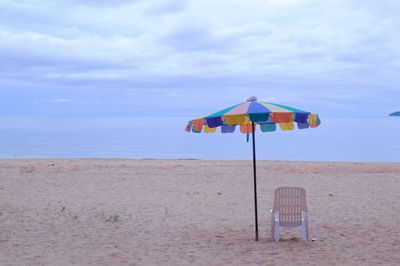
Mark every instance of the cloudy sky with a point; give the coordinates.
(191, 57)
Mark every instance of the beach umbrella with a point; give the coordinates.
(246, 116)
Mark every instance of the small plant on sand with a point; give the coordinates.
(113, 219)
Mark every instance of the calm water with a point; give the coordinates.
(337, 139)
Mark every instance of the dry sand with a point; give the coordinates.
(186, 212)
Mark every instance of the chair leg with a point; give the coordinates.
(276, 231)
(307, 231)
(304, 228)
(272, 229)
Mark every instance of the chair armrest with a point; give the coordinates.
(304, 215)
(273, 215)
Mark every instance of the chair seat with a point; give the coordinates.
(290, 224)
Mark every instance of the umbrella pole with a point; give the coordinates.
(255, 180)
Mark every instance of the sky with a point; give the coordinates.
(191, 58)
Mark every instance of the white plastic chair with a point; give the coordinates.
(290, 210)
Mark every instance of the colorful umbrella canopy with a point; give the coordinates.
(247, 115)
(267, 115)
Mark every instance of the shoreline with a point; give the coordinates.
(192, 159)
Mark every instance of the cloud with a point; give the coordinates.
(64, 101)
(166, 7)
(100, 3)
(61, 100)
(298, 51)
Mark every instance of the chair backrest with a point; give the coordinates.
(290, 202)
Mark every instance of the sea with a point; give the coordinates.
(344, 139)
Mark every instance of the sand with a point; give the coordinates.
(193, 212)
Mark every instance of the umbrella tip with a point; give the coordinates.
(252, 99)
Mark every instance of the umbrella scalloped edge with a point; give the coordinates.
(266, 115)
